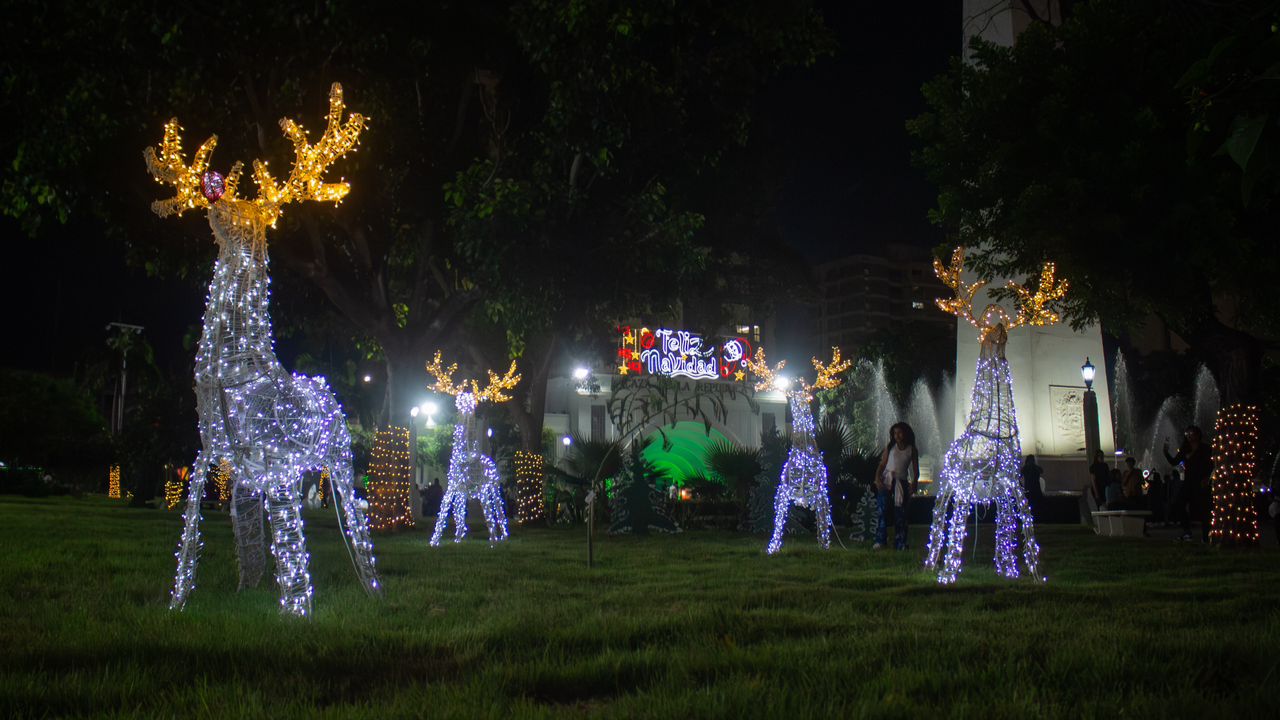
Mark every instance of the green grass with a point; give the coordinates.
(692, 625)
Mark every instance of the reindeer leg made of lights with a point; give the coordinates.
(783, 499)
(490, 496)
(351, 516)
(247, 523)
(189, 547)
(288, 546)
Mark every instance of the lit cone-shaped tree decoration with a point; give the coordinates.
(804, 476)
(390, 481)
(530, 487)
(983, 464)
(472, 474)
(1235, 465)
(269, 425)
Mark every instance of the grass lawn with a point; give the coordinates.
(692, 625)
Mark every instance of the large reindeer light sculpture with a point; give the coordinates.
(269, 425)
(804, 476)
(472, 474)
(983, 464)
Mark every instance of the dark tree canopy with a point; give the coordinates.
(1082, 144)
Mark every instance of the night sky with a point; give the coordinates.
(848, 186)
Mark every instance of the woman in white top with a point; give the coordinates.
(897, 478)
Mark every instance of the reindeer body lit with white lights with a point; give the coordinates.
(472, 474)
(983, 464)
(804, 476)
(268, 424)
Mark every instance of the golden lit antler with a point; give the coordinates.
(494, 392)
(444, 376)
(1031, 306)
(311, 161)
(962, 304)
(760, 368)
(828, 375)
(169, 167)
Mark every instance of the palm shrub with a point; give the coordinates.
(738, 467)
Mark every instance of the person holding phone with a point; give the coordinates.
(1192, 501)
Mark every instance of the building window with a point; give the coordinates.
(597, 423)
(768, 422)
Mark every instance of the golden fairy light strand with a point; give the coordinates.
(1235, 458)
(113, 482)
(530, 487)
(391, 481)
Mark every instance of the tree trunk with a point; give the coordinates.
(1234, 356)
(529, 415)
(407, 383)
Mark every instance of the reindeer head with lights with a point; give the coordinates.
(199, 188)
(994, 323)
(467, 393)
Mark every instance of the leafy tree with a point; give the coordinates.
(595, 209)
(1072, 146)
(51, 423)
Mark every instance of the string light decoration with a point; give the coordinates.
(390, 481)
(269, 425)
(530, 487)
(222, 481)
(983, 464)
(1235, 462)
(472, 474)
(323, 488)
(804, 476)
(113, 482)
(174, 486)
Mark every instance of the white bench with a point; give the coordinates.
(1120, 523)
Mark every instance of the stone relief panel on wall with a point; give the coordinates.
(1066, 413)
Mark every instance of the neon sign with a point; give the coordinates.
(680, 353)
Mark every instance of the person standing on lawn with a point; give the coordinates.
(1193, 494)
(1101, 477)
(897, 479)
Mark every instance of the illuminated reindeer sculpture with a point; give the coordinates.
(804, 476)
(472, 474)
(269, 425)
(983, 464)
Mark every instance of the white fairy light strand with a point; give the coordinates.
(267, 425)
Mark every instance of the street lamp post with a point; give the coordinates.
(1092, 441)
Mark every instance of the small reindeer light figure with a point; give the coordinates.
(983, 464)
(472, 474)
(804, 476)
(267, 424)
